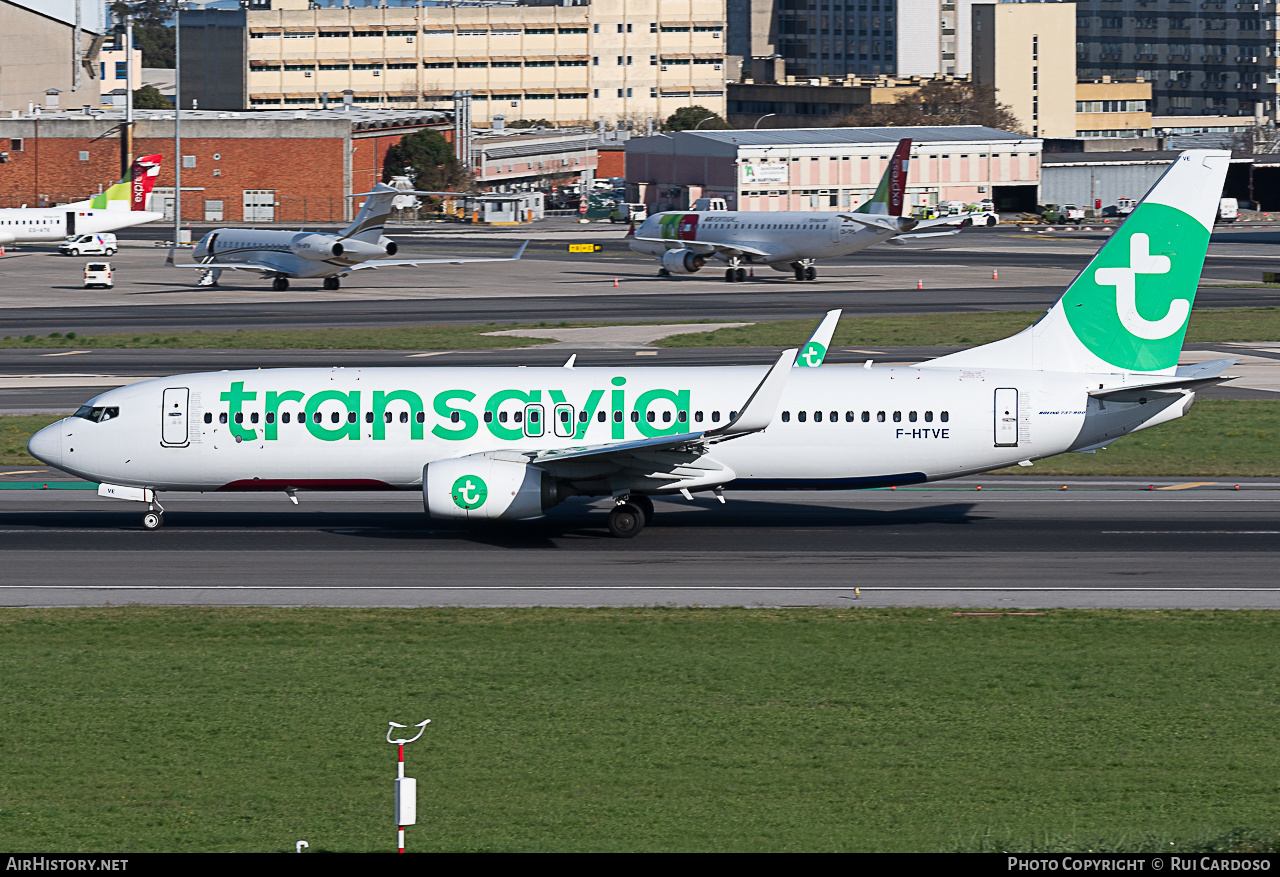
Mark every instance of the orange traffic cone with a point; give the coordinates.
(920, 283)
(995, 273)
(615, 283)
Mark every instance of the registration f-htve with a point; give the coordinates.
(509, 443)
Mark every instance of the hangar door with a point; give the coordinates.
(259, 205)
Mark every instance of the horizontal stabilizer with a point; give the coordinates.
(1187, 377)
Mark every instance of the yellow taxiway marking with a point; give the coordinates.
(855, 350)
(65, 353)
(1188, 485)
(26, 472)
(433, 353)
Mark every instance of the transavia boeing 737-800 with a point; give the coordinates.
(785, 241)
(121, 206)
(282, 255)
(509, 443)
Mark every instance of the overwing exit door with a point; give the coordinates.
(1006, 418)
(173, 414)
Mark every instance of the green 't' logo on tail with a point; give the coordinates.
(812, 355)
(1130, 306)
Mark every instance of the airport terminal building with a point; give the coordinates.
(831, 168)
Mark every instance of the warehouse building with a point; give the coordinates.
(236, 167)
(831, 168)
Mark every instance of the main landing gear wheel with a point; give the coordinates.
(332, 282)
(153, 520)
(280, 284)
(626, 520)
(810, 273)
(663, 272)
(645, 505)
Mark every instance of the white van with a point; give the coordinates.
(1228, 210)
(89, 244)
(99, 274)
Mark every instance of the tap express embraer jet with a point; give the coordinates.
(784, 240)
(281, 255)
(509, 443)
(123, 205)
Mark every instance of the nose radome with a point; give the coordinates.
(46, 445)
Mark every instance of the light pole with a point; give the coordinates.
(761, 119)
(177, 123)
(706, 119)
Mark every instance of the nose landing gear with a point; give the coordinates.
(280, 283)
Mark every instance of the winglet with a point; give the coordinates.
(760, 409)
(815, 349)
(169, 259)
(519, 252)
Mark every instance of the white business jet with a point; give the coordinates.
(121, 206)
(785, 240)
(509, 443)
(282, 255)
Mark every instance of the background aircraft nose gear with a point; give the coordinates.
(280, 283)
(332, 282)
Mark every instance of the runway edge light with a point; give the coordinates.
(406, 787)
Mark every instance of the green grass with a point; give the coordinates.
(403, 338)
(1233, 324)
(1219, 438)
(15, 430)
(1207, 325)
(136, 728)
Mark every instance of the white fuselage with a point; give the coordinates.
(835, 427)
(31, 225)
(786, 236)
(287, 253)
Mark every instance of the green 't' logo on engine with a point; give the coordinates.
(812, 355)
(1131, 305)
(469, 492)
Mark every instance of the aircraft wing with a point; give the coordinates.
(707, 248)
(901, 239)
(392, 263)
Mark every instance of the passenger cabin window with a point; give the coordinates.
(208, 417)
(944, 417)
(222, 418)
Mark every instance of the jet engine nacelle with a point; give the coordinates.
(482, 488)
(682, 261)
(317, 247)
(388, 245)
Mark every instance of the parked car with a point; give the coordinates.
(1124, 206)
(98, 274)
(1228, 210)
(90, 245)
(1056, 214)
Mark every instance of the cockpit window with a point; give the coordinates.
(97, 415)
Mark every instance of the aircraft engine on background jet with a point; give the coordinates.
(316, 247)
(388, 245)
(682, 261)
(482, 488)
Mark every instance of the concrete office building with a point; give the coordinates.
(48, 53)
(621, 60)
(1204, 59)
(1024, 51)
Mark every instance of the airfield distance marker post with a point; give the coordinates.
(406, 787)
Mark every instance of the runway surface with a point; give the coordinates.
(1102, 543)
